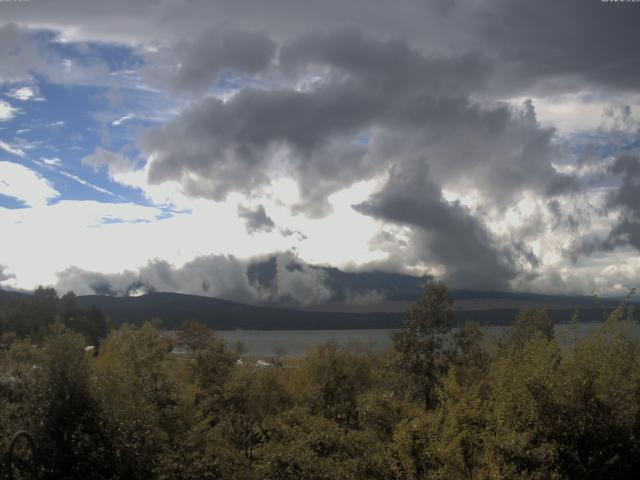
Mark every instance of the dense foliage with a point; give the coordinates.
(33, 315)
(439, 405)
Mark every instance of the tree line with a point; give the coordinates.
(33, 315)
(529, 404)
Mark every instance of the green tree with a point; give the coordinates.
(299, 445)
(66, 415)
(529, 323)
(138, 400)
(329, 381)
(470, 357)
(422, 347)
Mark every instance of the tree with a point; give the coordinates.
(195, 336)
(66, 426)
(68, 306)
(138, 399)
(529, 323)
(303, 446)
(33, 315)
(470, 356)
(329, 380)
(422, 345)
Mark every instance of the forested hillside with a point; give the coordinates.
(437, 406)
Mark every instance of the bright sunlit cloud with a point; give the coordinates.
(25, 185)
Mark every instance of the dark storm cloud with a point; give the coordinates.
(627, 232)
(499, 150)
(256, 219)
(627, 198)
(560, 219)
(623, 199)
(526, 252)
(147, 21)
(444, 233)
(215, 148)
(411, 101)
(193, 65)
(531, 42)
(628, 195)
(388, 66)
(590, 40)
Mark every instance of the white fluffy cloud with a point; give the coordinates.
(13, 150)
(7, 112)
(25, 185)
(25, 93)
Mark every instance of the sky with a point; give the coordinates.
(169, 145)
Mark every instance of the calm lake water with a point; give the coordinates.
(266, 343)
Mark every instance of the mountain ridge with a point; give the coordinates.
(485, 307)
(220, 314)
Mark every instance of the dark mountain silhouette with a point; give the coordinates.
(174, 308)
(394, 294)
(6, 295)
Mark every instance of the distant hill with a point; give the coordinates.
(12, 295)
(485, 307)
(174, 308)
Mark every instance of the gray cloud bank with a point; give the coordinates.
(281, 279)
(192, 65)
(530, 41)
(442, 232)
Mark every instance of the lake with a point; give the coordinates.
(265, 343)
